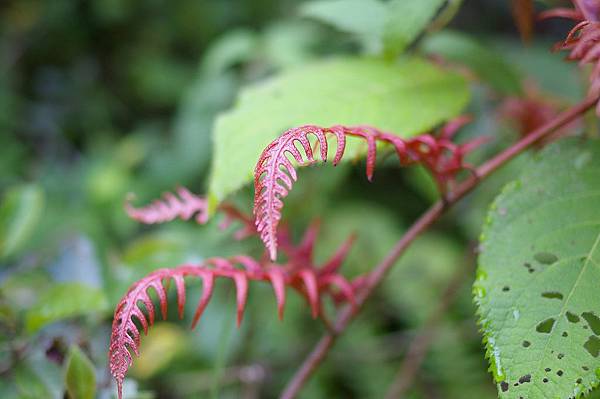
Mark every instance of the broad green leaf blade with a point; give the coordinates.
(62, 301)
(538, 277)
(20, 213)
(406, 98)
(80, 377)
(488, 65)
(406, 20)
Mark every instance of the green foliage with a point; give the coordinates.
(80, 376)
(364, 18)
(20, 212)
(536, 283)
(406, 99)
(405, 21)
(29, 384)
(116, 96)
(488, 65)
(384, 27)
(62, 301)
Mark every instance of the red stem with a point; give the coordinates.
(374, 278)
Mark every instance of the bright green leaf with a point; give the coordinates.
(406, 20)
(80, 377)
(537, 282)
(406, 98)
(20, 213)
(63, 301)
(489, 65)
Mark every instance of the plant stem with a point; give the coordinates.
(374, 278)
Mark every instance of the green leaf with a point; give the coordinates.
(364, 18)
(80, 378)
(490, 66)
(62, 301)
(388, 26)
(406, 19)
(406, 98)
(537, 282)
(20, 213)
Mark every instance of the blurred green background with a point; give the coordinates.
(99, 98)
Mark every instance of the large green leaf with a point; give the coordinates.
(539, 270)
(405, 98)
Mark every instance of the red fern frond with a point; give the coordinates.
(274, 173)
(299, 273)
(183, 206)
(532, 110)
(583, 40)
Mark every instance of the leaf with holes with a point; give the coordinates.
(406, 98)
(537, 282)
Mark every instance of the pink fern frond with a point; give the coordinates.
(184, 205)
(583, 40)
(300, 274)
(275, 174)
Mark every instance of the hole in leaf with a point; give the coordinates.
(545, 380)
(526, 344)
(579, 380)
(559, 373)
(585, 368)
(548, 369)
(504, 386)
(592, 345)
(545, 258)
(506, 288)
(525, 378)
(560, 356)
(565, 334)
(573, 318)
(593, 321)
(545, 326)
(553, 295)
(528, 266)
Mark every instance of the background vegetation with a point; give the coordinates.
(100, 98)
